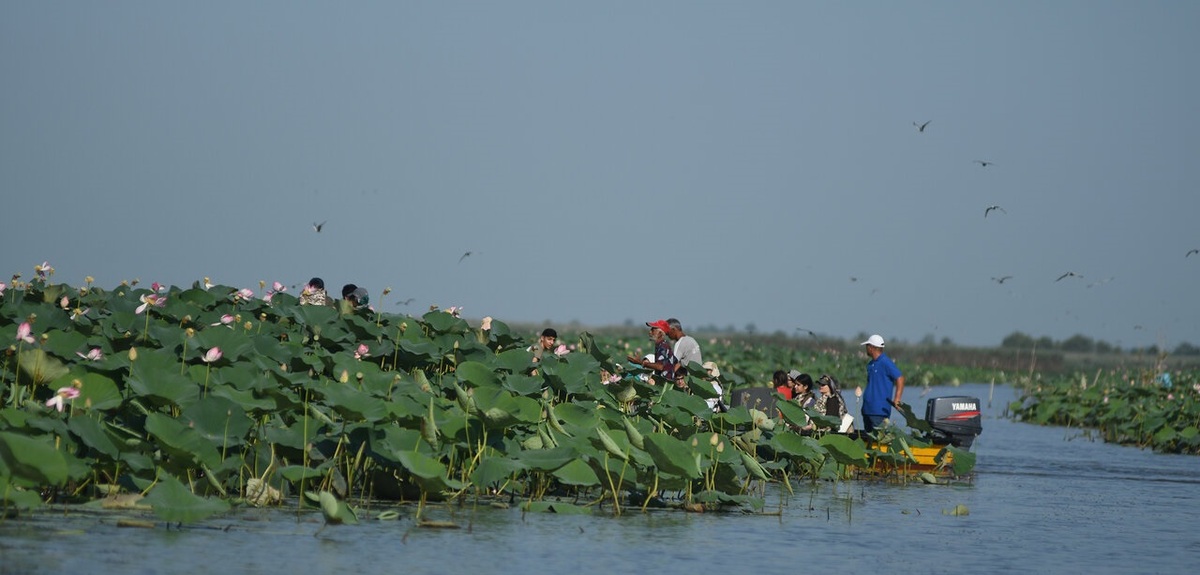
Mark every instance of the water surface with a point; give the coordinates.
(1042, 499)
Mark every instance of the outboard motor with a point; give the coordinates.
(955, 420)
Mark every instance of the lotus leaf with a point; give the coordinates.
(672, 455)
(31, 461)
(577, 473)
(173, 502)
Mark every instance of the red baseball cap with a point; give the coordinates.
(660, 324)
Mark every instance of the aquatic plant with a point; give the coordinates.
(214, 397)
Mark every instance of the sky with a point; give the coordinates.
(725, 163)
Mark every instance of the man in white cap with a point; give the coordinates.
(885, 385)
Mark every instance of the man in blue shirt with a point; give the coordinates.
(885, 385)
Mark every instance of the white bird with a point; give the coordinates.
(990, 208)
(317, 227)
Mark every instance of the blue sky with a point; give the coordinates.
(724, 163)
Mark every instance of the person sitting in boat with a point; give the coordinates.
(802, 392)
(830, 402)
(314, 293)
(783, 383)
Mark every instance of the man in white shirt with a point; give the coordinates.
(686, 348)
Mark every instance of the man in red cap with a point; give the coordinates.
(664, 359)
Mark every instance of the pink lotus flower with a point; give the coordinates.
(94, 355)
(3, 286)
(25, 332)
(278, 287)
(267, 298)
(1170, 397)
(454, 310)
(44, 270)
(149, 300)
(486, 324)
(362, 351)
(157, 287)
(212, 355)
(561, 350)
(226, 320)
(245, 293)
(65, 302)
(63, 393)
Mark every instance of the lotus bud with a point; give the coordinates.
(88, 280)
(721, 447)
(262, 284)
(695, 442)
(65, 302)
(345, 376)
(133, 354)
(715, 439)
(190, 332)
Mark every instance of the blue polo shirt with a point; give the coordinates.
(882, 374)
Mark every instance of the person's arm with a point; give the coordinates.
(899, 389)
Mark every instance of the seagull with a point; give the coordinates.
(1068, 274)
(405, 302)
(1192, 251)
(317, 227)
(1001, 279)
(809, 331)
(921, 127)
(984, 163)
(990, 208)
(464, 256)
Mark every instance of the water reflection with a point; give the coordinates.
(1043, 499)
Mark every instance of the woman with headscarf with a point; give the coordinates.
(830, 402)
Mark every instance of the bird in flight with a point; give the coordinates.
(405, 302)
(853, 279)
(921, 127)
(808, 331)
(1068, 275)
(984, 163)
(1192, 251)
(464, 256)
(990, 208)
(317, 227)
(1001, 279)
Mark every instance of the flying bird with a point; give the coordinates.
(1001, 279)
(1192, 251)
(317, 227)
(990, 208)
(984, 163)
(405, 302)
(808, 331)
(464, 256)
(1068, 275)
(921, 127)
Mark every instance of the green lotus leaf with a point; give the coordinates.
(672, 455)
(32, 460)
(515, 360)
(156, 374)
(526, 385)
(64, 344)
(964, 461)
(798, 447)
(219, 420)
(173, 502)
(546, 459)
(573, 414)
(494, 470)
(12, 495)
(441, 322)
(41, 367)
(234, 343)
(97, 392)
(182, 441)
(335, 510)
(576, 472)
(95, 435)
(844, 450)
(351, 402)
(430, 473)
(476, 374)
(298, 473)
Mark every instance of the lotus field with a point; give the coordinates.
(206, 398)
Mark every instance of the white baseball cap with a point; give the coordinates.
(875, 340)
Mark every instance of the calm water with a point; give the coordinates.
(1043, 499)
